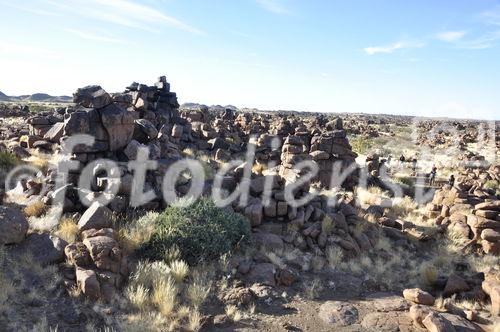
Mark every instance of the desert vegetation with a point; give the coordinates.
(381, 257)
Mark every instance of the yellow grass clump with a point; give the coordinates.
(68, 230)
(35, 209)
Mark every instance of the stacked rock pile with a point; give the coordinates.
(471, 210)
(330, 147)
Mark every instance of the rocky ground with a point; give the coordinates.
(374, 261)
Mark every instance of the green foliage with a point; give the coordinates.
(200, 231)
(8, 161)
(408, 181)
(492, 184)
(38, 108)
(360, 144)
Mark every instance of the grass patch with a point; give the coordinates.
(68, 230)
(360, 144)
(200, 231)
(8, 161)
(35, 209)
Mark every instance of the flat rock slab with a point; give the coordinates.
(388, 322)
(46, 249)
(385, 302)
(338, 313)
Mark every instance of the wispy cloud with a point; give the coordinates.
(126, 13)
(488, 40)
(451, 36)
(273, 6)
(491, 17)
(95, 37)
(29, 9)
(387, 49)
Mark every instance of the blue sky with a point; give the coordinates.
(429, 58)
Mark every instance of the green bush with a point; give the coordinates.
(201, 232)
(360, 144)
(8, 161)
(408, 181)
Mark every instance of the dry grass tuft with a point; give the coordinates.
(35, 209)
(197, 293)
(194, 321)
(164, 296)
(429, 274)
(138, 295)
(313, 289)
(179, 270)
(136, 233)
(68, 230)
(327, 225)
(233, 313)
(334, 256)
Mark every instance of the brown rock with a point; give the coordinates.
(492, 248)
(239, 296)
(492, 288)
(104, 252)
(494, 205)
(285, 277)
(338, 313)
(490, 235)
(97, 217)
(78, 254)
(87, 282)
(13, 226)
(454, 285)
(418, 296)
(436, 323)
(262, 273)
(418, 313)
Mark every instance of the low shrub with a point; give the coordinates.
(201, 232)
(8, 161)
(360, 144)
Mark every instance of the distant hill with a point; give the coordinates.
(36, 97)
(3, 96)
(215, 108)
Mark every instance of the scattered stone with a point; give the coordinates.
(97, 217)
(13, 225)
(338, 313)
(418, 296)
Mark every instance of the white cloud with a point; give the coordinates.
(451, 36)
(95, 37)
(491, 16)
(372, 50)
(273, 6)
(483, 42)
(124, 12)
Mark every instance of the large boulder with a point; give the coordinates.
(92, 96)
(262, 273)
(455, 284)
(418, 296)
(88, 283)
(13, 225)
(105, 253)
(96, 216)
(434, 322)
(45, 248)
(119, 124)
(77, 254)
